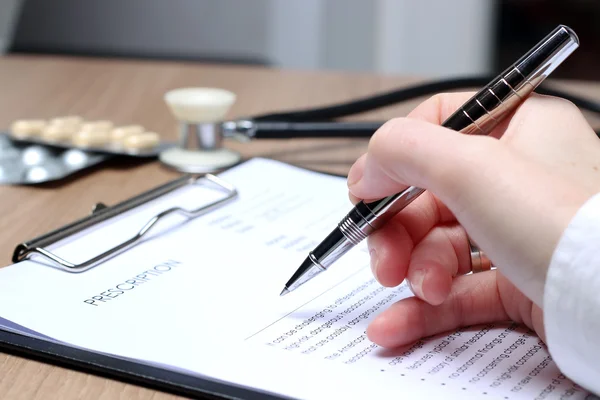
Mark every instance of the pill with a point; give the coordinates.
(67, 120)
(58, 131)
(40, 173)
(97, 125)
(74, 158)
(35, 155)
(141, 141)
(27, 127)
(91, 138)
(119, 133)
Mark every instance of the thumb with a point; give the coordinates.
(408, 151)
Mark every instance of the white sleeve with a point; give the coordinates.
(572, 299)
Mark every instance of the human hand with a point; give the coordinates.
(514, 192)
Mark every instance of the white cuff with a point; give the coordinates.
(572, 299)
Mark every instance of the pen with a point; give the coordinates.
(478, 115)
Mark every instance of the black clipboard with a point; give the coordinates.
(116, 368)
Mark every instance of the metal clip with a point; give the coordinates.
(102, 212)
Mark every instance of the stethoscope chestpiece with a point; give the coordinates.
(199, 111)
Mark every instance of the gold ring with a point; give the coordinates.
(479, 261)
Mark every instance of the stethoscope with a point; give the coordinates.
(200, 112)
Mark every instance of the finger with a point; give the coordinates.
(390, 246)
(355, 174)
(439, 107)
(519, 308)
(474, 300)
(436, 260)
(406, 151)
(537, 322)
(434, 110)
(398, 144)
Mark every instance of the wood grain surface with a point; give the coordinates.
(126, 92)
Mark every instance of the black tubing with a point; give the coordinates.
(408, 93)
(289, 130)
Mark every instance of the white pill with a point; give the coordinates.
(58, 131)
(119, 133)
(35, 155)
(91, 138)
(27, 127)
(144, 140)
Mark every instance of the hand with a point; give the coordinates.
(513, 193)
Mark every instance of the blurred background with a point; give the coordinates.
(426, 38)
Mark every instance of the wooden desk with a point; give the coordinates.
(131, 92)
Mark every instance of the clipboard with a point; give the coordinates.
(116, 368)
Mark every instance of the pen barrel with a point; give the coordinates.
(359, 223)
(365, 218)
(482, 112)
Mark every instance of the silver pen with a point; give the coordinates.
(478, 116)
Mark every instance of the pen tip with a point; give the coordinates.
(284, 292)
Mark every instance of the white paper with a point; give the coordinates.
(202, 296)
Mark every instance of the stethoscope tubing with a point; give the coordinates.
(321, 122)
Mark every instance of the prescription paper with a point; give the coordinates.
(201, 296)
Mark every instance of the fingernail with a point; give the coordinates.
(416, 282)
(354, 175)
(374, 261)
